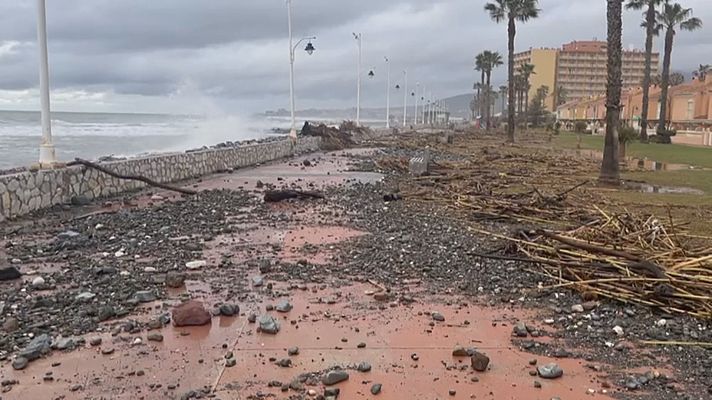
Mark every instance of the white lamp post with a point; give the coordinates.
(47, 154)
(415, 118)
(405, 98)
(292, 50)
(358, 38)
(388, 93)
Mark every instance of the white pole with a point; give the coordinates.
(388, 93)
(432, 105)
(47, 154)
(415, 118)
(358, 81)
(405, 98)
(293, 130)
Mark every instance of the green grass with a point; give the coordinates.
(667, 153)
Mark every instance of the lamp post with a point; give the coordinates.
(405, 97)
(388, 93)
(47, 154)
(292, 50)
(358, 38)
(415, 94)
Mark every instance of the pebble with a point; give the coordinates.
(84, 296)
(230, 362)
(155, 337)
(269, 325)
(39, 281)
(438, 317)
(361, 345)
(577, 308)
(285, 363)
(460, 351)
(520, 329)
(618, 330)
(363, 367)
(175, 279)
(107, 350)
(197, 264)
(376, 388)
(20, 363)
(258, 281)
(334, 377)
(10, 325)
(284, 306)
(293, 351)
(479, 362)
(190, 313)
(537, 384)
(145, 296)
(229, 310)
(550, 371)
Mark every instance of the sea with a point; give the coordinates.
(93, 135)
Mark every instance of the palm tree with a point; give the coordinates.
(676, 78)
(562, 96)
(512, 11)
(503, 95)
(702, 71)
(481, 65)
(526, 71)
(610, 168)
(650, 30)
(672, 16)
(492, 60)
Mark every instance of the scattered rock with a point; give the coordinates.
(438, 317)
(334, 377)
(361, 345)
(285, 363)
(145, 296)
(537, 384)
(9, 274)
(64, 344)
(38, 347)
(577, 308)
(376, 388)
(230, 362)
(95, 341)
(197, 264)
(460, 351)
(229, 310)
(38, 282)
(480, 362)
(268, 325)
(550, 371)
(155, 337)
(107, 351)
(10, 325)
(258, 281)
(252, 318)
(191, 313)
(363, 367)
(452, 392)
(520, 329)
(284, 306)
(293, 351)
(20, 363)
(84, 296)
(175, 279)
(618, 330)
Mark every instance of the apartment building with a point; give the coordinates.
(580, 68)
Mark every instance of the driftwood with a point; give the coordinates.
(275, 196)
(148, 181)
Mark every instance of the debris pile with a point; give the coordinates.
(348, 134)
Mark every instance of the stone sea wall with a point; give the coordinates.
(25, 192)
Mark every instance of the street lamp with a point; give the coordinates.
(415, 94)
(405, 98)
(292, 50)
(358, 38)
(47, 154)
(388, 93)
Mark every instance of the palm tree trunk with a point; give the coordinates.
(526, 107)
(650, 22)
(610, 168)
(512, 32)
(482, 105)
(489, 98)
(662, 121)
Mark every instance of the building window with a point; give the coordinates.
(690, 109)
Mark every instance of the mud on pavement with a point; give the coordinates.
(347, 297)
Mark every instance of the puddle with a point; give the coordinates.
(648, 188)
(633, 163)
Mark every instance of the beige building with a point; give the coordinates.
(580, 68)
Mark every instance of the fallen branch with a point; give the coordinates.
(148, 181)
(274, 196)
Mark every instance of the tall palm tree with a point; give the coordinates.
(512, 11)
(481, 65)
(702, 71)
(672, 17)
(610, 168)
(492, 60)
(503, 95)
(477, 100)
(526, 71)
(650, 30)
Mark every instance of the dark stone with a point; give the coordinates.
(550, 371)
(229, 310)
(438, 317)
(376, 388)
(334, 377)
(284, 306)
(38, 347)
(460, 351)
(9, 273)
(363, 367)
(285, 363)
(520, 329)
(106, 313)
(480, 362)
(10, 325)
(269, 325)
(191, 313)
(80, 201)
(175, 279)
(155, 337)
(145, 296)
(20, 363)
(293, 351)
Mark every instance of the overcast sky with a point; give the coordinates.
(203, 56)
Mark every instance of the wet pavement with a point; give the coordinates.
(410, 353)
